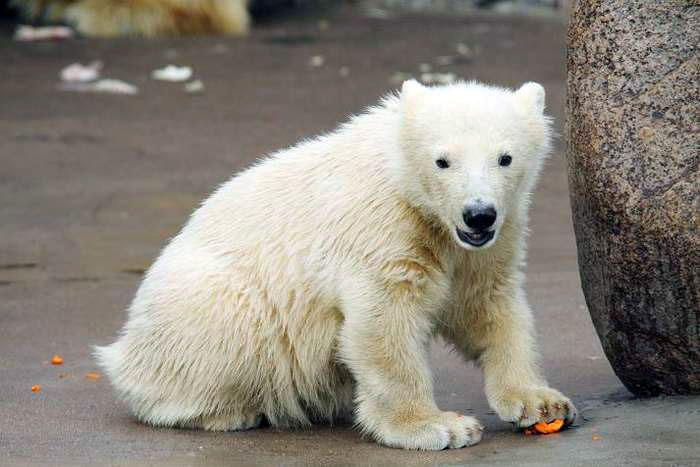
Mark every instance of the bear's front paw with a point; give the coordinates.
(444, 430)
(526, 406)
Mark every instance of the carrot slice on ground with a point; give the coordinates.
(36, 388)
(93, 375)
(551, 427)
(56, 360)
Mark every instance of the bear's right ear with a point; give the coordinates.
(411, 90)
(531, 96)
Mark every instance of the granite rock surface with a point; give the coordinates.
(633, 126)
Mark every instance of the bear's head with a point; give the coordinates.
(470, 154)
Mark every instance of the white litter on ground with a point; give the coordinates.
(465, 51)
(344, 71)
(115, 86)
(105, 86)
(26, 33)
(172, 73)
(79, 73)
(444, 60)
(194, 87)
(438, 78)
(377, 13)
(317, 61)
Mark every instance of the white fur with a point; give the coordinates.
(110, 18)
(319, 276)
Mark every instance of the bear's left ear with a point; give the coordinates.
(411, 94)
(411, 90)
(531, 97)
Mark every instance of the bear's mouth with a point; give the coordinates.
(476, 239)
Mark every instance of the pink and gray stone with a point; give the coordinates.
(633, 127)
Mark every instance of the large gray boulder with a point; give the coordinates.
(633, 129)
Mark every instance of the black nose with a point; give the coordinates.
(480, 218)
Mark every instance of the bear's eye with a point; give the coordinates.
(442, 163)
(505, 160)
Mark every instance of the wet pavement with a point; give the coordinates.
(91, 187)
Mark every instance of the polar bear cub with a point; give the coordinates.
(310, 284)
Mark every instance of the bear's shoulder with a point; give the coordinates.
(420, 251)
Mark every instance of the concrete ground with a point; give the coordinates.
(91, 187)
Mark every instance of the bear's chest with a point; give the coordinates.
(474, 282)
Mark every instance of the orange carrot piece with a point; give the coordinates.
(551, 427)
